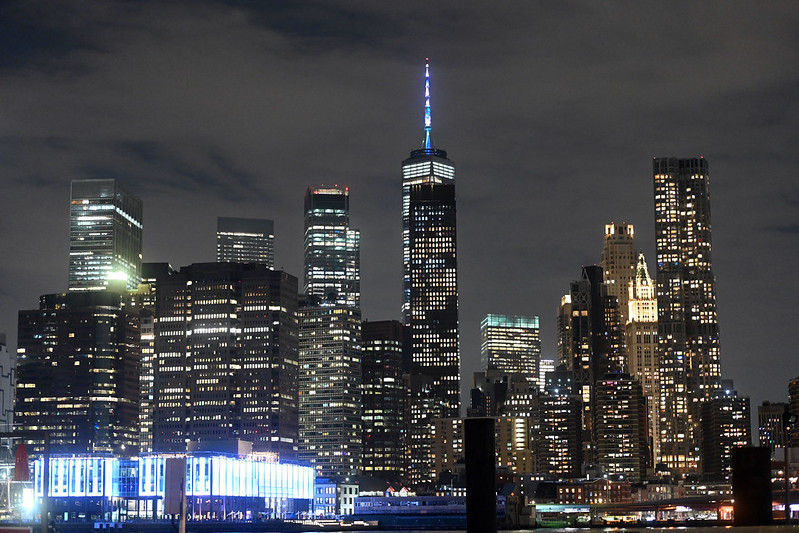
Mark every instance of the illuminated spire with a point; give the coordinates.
(428, 121)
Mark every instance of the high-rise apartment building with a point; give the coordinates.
(226, 360)
(384, 398)
(245, 240)
(105, 235)
(688, 332)
(430, 288)
(77, 373)
(545, 366)
(331, 408)
(621, 426)
(332, 248)
(641, 332)
(511, 344)
(771, 424)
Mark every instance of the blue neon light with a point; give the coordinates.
(428, 120)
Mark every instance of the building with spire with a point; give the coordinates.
(688, 331)
(641, 332)
(430, 287)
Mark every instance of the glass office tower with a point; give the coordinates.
(105, 235)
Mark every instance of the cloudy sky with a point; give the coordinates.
(552, 112)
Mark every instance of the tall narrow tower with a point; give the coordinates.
(688, 332)
(430, 282)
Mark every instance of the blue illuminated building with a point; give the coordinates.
(218, 486)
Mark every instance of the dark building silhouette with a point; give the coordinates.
(771, 424)
(226, 357)
(78, 373)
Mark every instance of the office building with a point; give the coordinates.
(226, 358)
(143, 300)
(726, 422)
(771, 424)
(688, 332)
(245, 240)
(332, 248)
(8, 370)
(105, 235)
(619, 259)
(77, 373)
(621, 419)
(641, 332)
(430, 287)
(560, 435)
(384, 399)
(545, 366)
(331, 408)
(511, 344)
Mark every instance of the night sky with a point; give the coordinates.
(551, 111)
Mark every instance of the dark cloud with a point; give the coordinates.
(551, 112)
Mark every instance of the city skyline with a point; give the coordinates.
(536, 124)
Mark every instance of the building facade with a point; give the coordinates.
(688, 332)
(726, 423)
(511, 344)
(619, 259)
(77, 373)
(332, 248)
(771, 424)
(226, 358)
(384, 399)
(331, 408)
(8, 372)
(621, 427)
(105, 235)
(245, 240)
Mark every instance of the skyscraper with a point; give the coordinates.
(771, 424)
(78, 373)
(621, 426)
(511, 344)
(331, 407)
(226, 357)
(105, 235)
(430, 287)
(688, 332)
(332, 248)
(619, 262)
(641, 332)
(726, 424)
(384, 397)
(245, 240)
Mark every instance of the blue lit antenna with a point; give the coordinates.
(428, 121)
